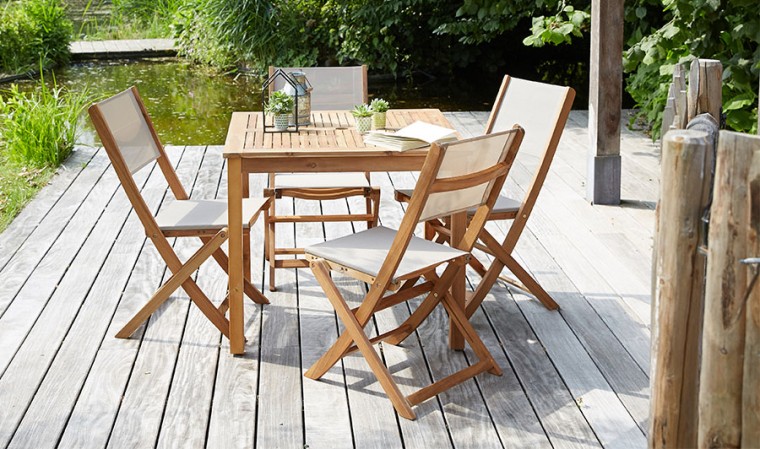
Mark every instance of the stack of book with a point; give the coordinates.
(417, 135)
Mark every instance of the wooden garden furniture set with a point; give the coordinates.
(457, 192)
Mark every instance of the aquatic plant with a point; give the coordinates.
(40, 127)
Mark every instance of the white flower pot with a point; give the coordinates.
(281, 122)
(363, 124)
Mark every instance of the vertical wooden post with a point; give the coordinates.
(605, 101)
(705, 88)
(679, 281)
(751, 375)
(737, 184)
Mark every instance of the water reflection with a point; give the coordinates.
(191, 105)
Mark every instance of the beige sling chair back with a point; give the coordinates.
(542, 110)
(129, 138)
(334, 88)
(455, 177)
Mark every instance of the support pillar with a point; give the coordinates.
(605, 101)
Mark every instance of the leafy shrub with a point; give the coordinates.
(33, 31)
(40, 127)
(246, 33)
(725, 30)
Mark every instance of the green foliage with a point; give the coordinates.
(725, 30)
(18, 185)
(40, 128)
(246, 33)
(33, 32)
(559, 28)
(379, 105)
(279, 103)
(362, 110)
(129, 19)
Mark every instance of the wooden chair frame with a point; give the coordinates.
(406, 287)
(212, 238)
(502, 251)
(271, 251)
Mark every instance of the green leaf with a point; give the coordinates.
(641, 12)
(739, 101)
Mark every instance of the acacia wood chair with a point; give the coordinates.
(128, 135)
(455, 177)
(542, 110)
(334, 88)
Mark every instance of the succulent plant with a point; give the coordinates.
(379, 105)
(362, 110)
(279, 103)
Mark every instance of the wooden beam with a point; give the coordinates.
(605, 101)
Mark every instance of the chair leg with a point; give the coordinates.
(181, 277)
(357, 335)
(247, 255)
(249, 289)
(269, 244)
(373, 207)
(470, 334)
(505, 258)
(428, 304)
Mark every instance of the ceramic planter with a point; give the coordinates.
(378, 120)
(281, 122)
(363, 124)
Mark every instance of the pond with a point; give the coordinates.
(191, 105)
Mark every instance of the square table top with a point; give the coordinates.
(331, 133)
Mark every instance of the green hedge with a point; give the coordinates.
(33, 32)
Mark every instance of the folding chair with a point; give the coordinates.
(128, 135)
(454, 178)
(542, 110)
(335, 88)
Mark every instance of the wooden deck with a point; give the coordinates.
(125, 48)
(75, 265)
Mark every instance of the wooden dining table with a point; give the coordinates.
(329, 144)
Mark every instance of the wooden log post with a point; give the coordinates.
(736, 206)
(705, 93)
(605, 101)
(679, 282)
(751, 376)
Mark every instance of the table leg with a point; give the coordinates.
(458, 223)
(235, 223)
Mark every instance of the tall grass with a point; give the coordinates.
(33, 30)
(40, 127)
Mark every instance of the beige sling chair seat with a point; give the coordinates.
(128, 135)
(542, 110)
(454, 178)
(334, 88)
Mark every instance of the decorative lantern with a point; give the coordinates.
(301, 93)
(289, 85)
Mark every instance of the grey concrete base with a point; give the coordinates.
(603, 179)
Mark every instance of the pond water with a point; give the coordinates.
(191, 105)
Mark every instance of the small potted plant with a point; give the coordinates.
(363, 115)
(379, 108)
(280, 105)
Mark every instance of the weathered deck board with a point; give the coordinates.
(78, 267)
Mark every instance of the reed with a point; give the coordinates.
(39, 128)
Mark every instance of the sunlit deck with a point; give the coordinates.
(74, 266)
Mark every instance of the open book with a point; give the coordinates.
(417, 135)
